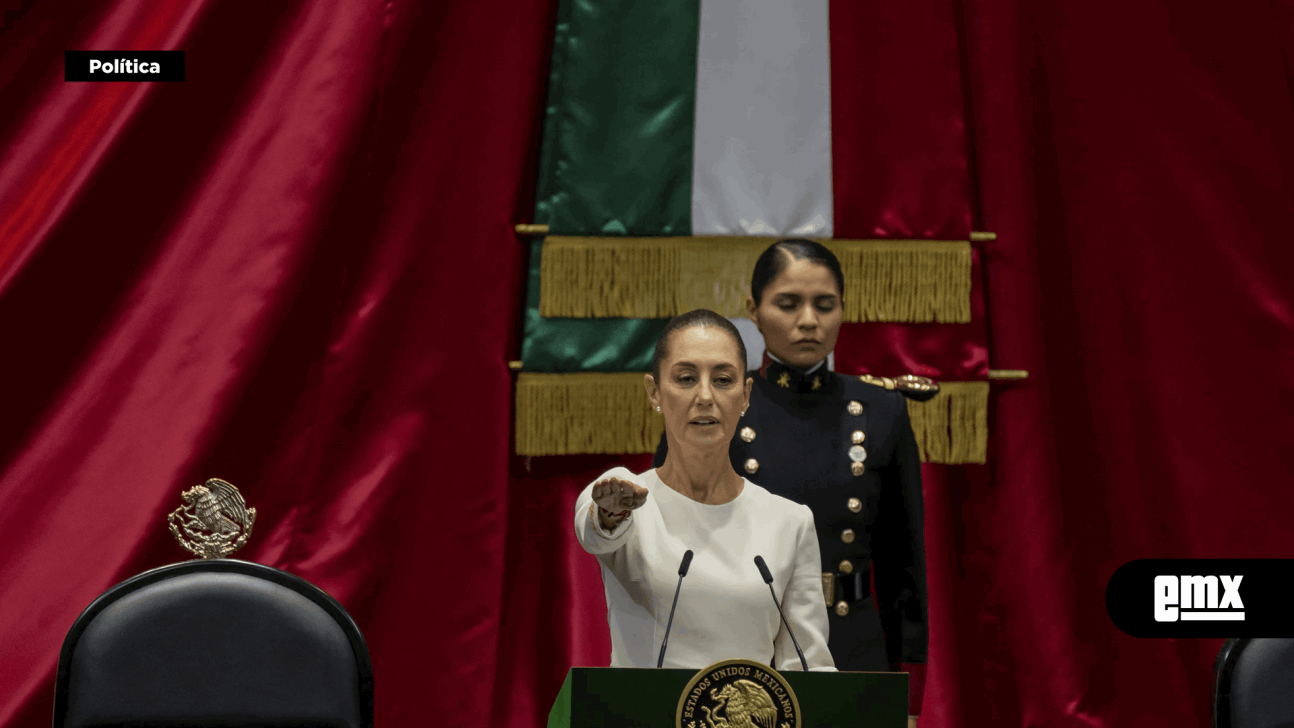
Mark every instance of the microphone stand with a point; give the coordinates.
(682, 572)
(768, 579)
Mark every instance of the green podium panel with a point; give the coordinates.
(611, 697)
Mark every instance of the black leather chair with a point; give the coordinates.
(214, 643)
(1253, 684)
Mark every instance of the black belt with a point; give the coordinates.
(854, 587)
(851, 588)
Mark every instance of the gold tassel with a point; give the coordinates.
(911, 281)
(571, 414)
(952, 428)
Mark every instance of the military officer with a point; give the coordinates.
(843, 446)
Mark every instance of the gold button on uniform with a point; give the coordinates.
(855, 409)
(847, 535)
(842, 608)
(747, 434)
(752, 466)
(858, 437)
(855, 505)
(857, 469)
(846, 567)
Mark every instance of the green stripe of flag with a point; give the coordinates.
(561, 345)
(546, 184)
(622, 97)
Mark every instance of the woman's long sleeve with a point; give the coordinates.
(803, 606)
(595, 539)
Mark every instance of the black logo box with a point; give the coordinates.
(1265, 592)
(123, 66)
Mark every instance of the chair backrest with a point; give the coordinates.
(216, 642)
(1253, 684)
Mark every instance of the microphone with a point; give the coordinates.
(682, 572)
(768, 579)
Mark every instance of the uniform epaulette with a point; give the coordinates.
(920, 389)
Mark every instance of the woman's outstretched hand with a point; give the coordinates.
(617, 497)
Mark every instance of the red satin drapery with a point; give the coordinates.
(1136, 161)
(944, 352)
(898, 148)
(295, 271)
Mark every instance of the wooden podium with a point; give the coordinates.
(609, 697)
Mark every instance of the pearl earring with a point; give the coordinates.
(658, 409)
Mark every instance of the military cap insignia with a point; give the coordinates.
(215, 520)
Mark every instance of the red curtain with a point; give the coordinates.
(296, 271)
(1136, 161)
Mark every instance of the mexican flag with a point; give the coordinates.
(682, 137)
(754, 118)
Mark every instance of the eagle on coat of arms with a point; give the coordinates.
(746, 705)
(215, 520)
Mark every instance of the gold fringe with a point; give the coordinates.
(952, 428)
(571, 414)
(1008, 374)
(911, 281)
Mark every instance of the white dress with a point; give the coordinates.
(724, 609)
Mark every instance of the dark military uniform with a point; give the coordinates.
(845, 448)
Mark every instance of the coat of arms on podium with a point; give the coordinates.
(738, 694)
(214, 521)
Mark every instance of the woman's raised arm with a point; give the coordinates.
(604, 511)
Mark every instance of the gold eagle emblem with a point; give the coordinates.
(214, 522)
(745, 704)
(738, 694)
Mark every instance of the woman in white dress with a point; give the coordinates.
(639, 526)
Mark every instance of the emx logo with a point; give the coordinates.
(1202, 598)
(1196, 598)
